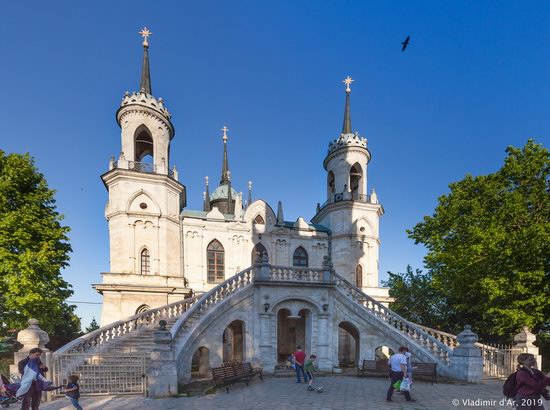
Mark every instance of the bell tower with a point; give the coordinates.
(349, 212)
(145, 200)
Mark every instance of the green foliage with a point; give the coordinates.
(93, 326)
(33, 249)
(416, 299)
(488, 246)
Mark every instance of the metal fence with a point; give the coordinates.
(499, 360)
(111, 373)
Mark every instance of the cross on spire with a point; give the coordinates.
(225, 129)
(348, 80)
(145, 33)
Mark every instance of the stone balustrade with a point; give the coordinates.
(296, 274)
(404, 327)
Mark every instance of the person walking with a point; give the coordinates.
(72, 391)
(30, 369)
(398, 371)
(531, 383)
(299, 360)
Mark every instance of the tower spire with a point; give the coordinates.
(346, 129)
(206, 204)
(145, 83)
(225, 164)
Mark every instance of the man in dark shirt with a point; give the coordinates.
(32, 398)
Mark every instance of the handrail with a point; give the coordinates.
(94, 341)
(296, 273)
(236, 282)
(405, 327)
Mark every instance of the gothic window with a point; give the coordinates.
(145, 262)
(359, 276)
(259, 248)
(143, 144)
(215, 257)
(355, 175)
(300, 257)
(259, 220)
(330, 183)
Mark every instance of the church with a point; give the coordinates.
(161, 251)
(189, 290)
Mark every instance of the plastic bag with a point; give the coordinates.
(406, 384)
(397, 384)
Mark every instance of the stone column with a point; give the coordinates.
(162, 373)
(324, 361)
(30, 338)
(466, 360)
(267, 354)
(524, 341)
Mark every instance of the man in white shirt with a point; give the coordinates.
(398, 370)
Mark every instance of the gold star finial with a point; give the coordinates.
(145, 33)
(348, 82)
(225, 129)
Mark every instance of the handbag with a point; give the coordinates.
(406, 384)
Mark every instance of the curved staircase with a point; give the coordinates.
(93, 353)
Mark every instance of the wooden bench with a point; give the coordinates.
(231, 373)
(381, 368)
(373, 368)
(425, 370)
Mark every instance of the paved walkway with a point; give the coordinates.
(342, 393)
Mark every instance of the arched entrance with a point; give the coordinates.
(293, 331)
(200, 363)
(383, 353)
(348, 345)
(233, 342)
(258, 251)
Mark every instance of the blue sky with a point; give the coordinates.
(474, 80)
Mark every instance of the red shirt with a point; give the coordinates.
(529, 383)
(300, 357)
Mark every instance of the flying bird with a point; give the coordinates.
(406, 43)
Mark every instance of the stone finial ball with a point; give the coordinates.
(33, 321)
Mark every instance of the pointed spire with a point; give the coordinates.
(206, 205)
(249, 192)
(145, 83)
(280, 218)
(229, 198)
(225, 164)
(346, 129)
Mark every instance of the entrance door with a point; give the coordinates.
(292, 331)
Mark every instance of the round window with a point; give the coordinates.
(362, 229)
(143, 205)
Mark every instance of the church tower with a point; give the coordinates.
(145, 200)
(349, 212)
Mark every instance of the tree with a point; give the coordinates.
(488, 246)
(416, 299)
(33, 249)
(93, 326)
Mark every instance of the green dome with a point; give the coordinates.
(221, 193)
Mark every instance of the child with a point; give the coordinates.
(289, 364)
(72, 391)
(308, 367)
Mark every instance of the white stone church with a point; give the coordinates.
(161, 251)
(189, 290)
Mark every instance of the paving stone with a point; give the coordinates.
(341, 393)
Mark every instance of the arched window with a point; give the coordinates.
(330, 184)
(259, 220)
(355, 174)
(145, 262)
(359, 276)
(142, 308)
(143, 144)
(215, 258)
(300, 257)
(258, 249)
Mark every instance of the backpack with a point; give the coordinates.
(510, 387)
